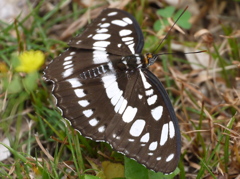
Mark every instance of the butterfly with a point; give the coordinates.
(103, 87)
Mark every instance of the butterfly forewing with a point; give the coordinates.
(115, 30)
(128, 108)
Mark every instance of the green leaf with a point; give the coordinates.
(15, 86)
(160, 24)
(90, 177)
(150, 43)
(154, 175)
(184, 19)
(30, 81)
(14, 60)
(166, 12)
(169, 12)
(134, 170)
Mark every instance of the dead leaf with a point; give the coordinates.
(112, 170)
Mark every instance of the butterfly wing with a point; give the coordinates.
(145, 126)
(128, 109)
(77, 95)
(113, 29)
(113, 32)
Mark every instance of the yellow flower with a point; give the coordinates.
(30, 61)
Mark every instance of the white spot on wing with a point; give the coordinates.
(153, 146)
(100, 56)
(83, 103)
(140, 96)
(129, 42)
(170, 157)
(88, 112)
(127, 39)
(101, 129)
(129, 114)
(164, 134)
(152, 99)
(157, 112)
(99, 48)
(131, 47)
(79, 93)
(68, 58)
(112, 13)
(144, 80)
(101, 44)
(137, 127)
(149, 92)
(104, 25)
(112, 90)
(124, 105)
(72, 53)
(145, 138)
(74, 82)
(108, 80)
(119, 104)
(171, 130)
(158, 158)
(102, 30)
(68, 66)
(101, 36)
(115, 94)
(116, 97)
(128, 20)
(119, 23)
(125, 32)
(93, 122)
(67, 73)
(67, 63)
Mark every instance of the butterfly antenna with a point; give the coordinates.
(170, 29)
(166, 53)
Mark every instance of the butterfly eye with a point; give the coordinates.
(103, 87)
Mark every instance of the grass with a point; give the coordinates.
(206, 99)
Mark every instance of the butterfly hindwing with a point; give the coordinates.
(147, 129)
